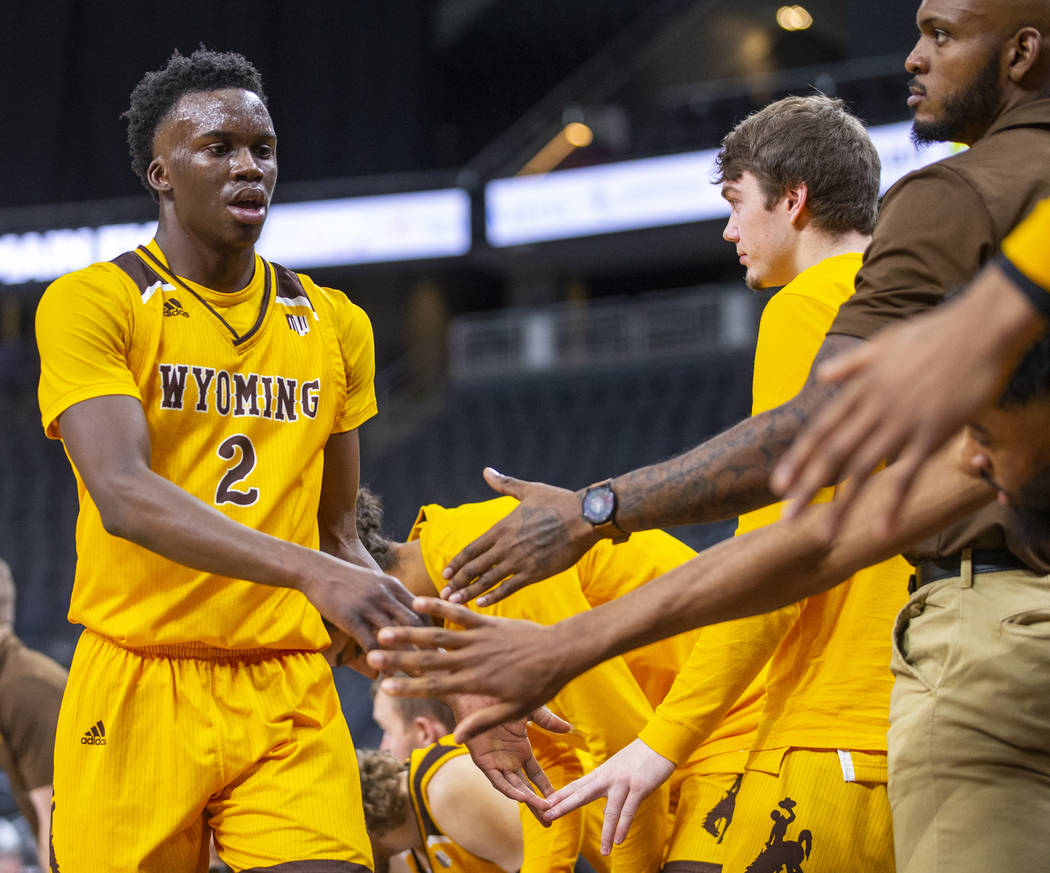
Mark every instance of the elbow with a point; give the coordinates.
(118, 509)
(115, 521)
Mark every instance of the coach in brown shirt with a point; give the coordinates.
(938, 226)
(31, 687)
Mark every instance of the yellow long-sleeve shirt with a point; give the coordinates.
(828, 680)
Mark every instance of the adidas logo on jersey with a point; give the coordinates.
(173, 307)
(96, 736)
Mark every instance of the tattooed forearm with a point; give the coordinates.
(727, 475)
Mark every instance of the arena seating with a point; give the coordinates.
(567, 428)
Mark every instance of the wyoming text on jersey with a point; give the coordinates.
(282, 398)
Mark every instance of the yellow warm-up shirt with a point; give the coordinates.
(608, 571)
(605, 706)
(240, 393)
(828, 681)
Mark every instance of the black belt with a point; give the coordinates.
(950, 566)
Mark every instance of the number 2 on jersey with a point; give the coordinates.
(227, 450)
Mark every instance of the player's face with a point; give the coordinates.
(764, 238)
(399, 734)
(957, 72)
(1011, 449)
(216, 158)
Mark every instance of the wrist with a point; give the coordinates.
(575, 644)
(599, 505)
(1007, 319)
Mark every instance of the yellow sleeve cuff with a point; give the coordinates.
(1026, 246)
(670, 738)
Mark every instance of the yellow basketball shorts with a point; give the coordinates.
(706, 804)
(812, 811)
(158, 748)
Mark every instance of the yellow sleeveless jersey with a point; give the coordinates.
(240, 392)
(442, 854)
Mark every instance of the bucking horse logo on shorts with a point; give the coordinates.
(717, 821)
(779, 855)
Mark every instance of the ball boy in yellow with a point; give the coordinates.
(208, 402)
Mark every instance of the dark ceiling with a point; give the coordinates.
(365, 87)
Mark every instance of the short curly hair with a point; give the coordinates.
(386, 805)
(159, 90)
(370, 522)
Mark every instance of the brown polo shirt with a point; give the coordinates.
(937, 227)
(31, 687)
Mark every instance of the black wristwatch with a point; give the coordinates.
(598, 506)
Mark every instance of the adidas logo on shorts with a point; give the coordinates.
(96, 736)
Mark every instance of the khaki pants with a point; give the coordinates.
(969, 739)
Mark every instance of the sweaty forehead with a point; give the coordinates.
(228, 109)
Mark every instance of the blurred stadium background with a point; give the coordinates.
(516, 191)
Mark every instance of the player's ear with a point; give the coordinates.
(1023, 52)
(428, 729)
(157, 175)
(797, 197)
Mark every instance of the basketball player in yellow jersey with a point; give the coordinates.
(208, 401)
(437, 807)
(410, 725)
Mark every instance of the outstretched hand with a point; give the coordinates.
(544, 535)
(504, 754)
(520, 665)
(626, 779)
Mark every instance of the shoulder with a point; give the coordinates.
(952, 178)
(825, 285)
(101, 278)
(21, 665)
(452, 780)
(330, 300)
(101, 294)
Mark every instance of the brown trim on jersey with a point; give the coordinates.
(146, 254)
(691, 867)
(427, 824)
(312, 867)
(289, 285)
(140, 273)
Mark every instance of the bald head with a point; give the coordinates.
(1012, 15)
(7, 594)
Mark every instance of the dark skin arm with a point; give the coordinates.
(723, 477)
(523, 664)
(337, 529)
(908, 390)
(108, 440)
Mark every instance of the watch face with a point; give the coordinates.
(598, 504)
